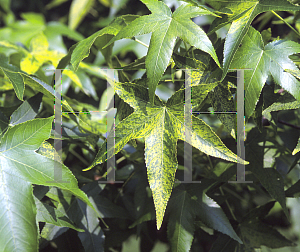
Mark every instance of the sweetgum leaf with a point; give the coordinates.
(270, 178)
(161, 125)
(39, 54)
(166, 27)
(13, 75)
(52, 215)
(19, 78)
(271, 59)
(187, 203)
(257, 234)
(27, 111)
(82, 48)
(284, 102)
(222, 100)
(21, 166)
(243, 13)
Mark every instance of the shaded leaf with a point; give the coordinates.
(3, 123)
(49, 214)
(257, 234)
(270, 178)
(186, 204)
(294, 190)
(222, 101)
(27, 111)
(284, 102)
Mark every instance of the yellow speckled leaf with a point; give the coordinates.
(39, 55)
(47, 150)
(297, 149)
(161, 125)
(161, 162)
(204, 139)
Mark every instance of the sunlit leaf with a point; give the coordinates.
(166, 27)
(267, 60)
(20, 167)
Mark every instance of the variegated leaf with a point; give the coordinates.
(162, 125)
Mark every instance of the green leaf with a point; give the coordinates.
(82, 48)
(266, 35)
(267, 60)
(84, 217)
(20, 167)
(270, 178)
(243, 13)
(23, 30)
(186, 204)
(14, 77)
(257, 234)
(78, 10)
(166, 27)
(49, 214)
(54, 27)
(161, 126)
(294, 190)
(27, 111)
(37, 85)
(284, 102)
(294, 72)
(3, 123)
(143, 199)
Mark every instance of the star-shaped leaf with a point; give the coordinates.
(20, 167)
(271, 59)
(162, 125)
(166, 27)
(243, 13)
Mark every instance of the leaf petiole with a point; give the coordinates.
(286, 23)
(141, 42)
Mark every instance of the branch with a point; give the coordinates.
(288, 124)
